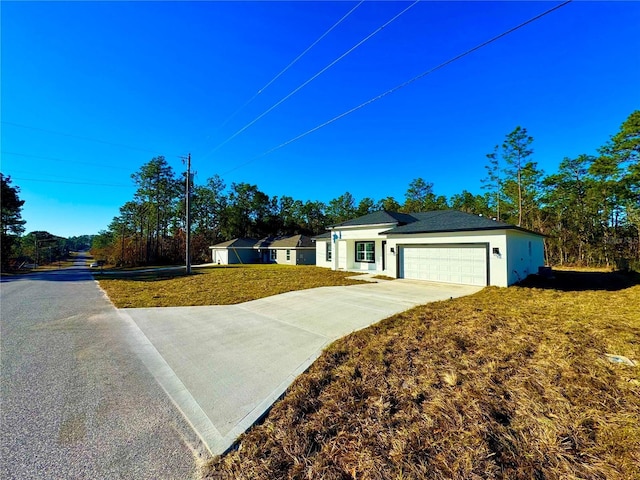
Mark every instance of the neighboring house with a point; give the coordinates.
(293, 250)
(238, 250)
(289, 250)
(442, 246)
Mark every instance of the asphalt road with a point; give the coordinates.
(76, 401)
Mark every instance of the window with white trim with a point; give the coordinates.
(328, 251)
(274, 255)
(288, 255)
(366, 252)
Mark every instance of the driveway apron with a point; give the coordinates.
(224, 366)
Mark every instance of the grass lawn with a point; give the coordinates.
(506, 384)
(219, 285)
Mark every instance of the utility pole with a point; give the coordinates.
(188, 226)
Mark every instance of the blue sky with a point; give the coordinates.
(93, 90)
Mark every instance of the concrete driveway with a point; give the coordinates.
(224, 366)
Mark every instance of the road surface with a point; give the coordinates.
(76, 401)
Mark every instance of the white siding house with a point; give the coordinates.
(443, 246)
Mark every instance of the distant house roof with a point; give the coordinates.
(292, 241)
(236, 243)
(430, 222)
(322, 236)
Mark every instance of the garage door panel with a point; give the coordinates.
(451, 264)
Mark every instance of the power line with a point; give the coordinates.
(71, 135)
(40, 180)
(402, 85)
(378, 30)
(4, 152)
(292, 62)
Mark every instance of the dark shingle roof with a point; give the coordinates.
(450, 221)
(378, 218)
(236, 243)
(291, 242)
(429, 222)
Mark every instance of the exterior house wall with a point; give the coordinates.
(497, 264)
(297, 256)
(321, 253)
(346, 259)
(243, 255)
(526, 254)
(281, 257)
(220, 256)
(344, 248)
(306, 256)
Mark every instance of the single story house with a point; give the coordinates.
(288, 250)
(442, 246)
(238, 250)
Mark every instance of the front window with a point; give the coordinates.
(274, 255)
(365, 252)
(329, 251)
(288, 255)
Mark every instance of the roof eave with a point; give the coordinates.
(455, 230)
(365, 225)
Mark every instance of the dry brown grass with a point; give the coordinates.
(577, 268)
(215, 285)
(505, 384)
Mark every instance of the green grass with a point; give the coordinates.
(219, 285)
(505, 384)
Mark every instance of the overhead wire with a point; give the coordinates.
(293, 62)
(402, 85)
(71, 135)
(313, 77)
(68, 182)
(4, 152)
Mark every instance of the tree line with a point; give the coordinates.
(34, 248)
(589, 209)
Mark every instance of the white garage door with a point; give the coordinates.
(466, 264)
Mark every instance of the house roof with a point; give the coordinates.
(448, 221)
(378, 218)
(323, 235)
(292, 241)
(236, 243)
(431, 222)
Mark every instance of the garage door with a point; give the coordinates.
(466, 264)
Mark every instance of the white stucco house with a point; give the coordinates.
(442, 246)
